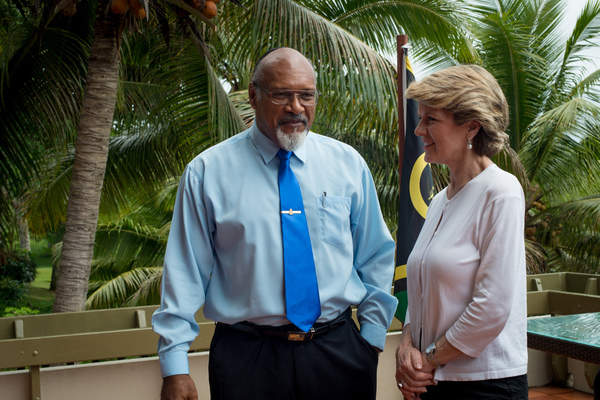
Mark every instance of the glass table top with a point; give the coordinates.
(580, 328)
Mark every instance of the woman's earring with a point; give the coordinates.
(469, 145)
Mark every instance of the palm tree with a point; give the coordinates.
(87, 173)
(34, 130)
(95, 122)
(524, 79)
(161, 130)
(555, 120)
(352, 75)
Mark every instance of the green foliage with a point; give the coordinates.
(11, 292)
(552, 82)
(16, 271)
(18, 266)
(172, 105)
(42, 74)
(38, 297)
(16, 312)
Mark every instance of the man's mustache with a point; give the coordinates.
(293, 118)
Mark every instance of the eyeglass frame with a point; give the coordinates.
(292, 94)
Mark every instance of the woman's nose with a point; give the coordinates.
(420, 129)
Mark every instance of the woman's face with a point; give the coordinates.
(445, 142)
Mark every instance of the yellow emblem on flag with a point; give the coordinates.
(400, 272)
(415, 186)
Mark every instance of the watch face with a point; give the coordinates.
(430, 349)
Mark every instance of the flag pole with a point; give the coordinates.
(401, 41)
(415, 177)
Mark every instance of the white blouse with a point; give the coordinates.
(467, 278)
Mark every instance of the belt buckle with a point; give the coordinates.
(301, 336)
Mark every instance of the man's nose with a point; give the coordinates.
(295, 105)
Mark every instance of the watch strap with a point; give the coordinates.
(429, 355)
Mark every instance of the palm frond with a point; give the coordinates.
(572, 229)
(506, 53)
(556, 146)
(586, 31)
(130, 243)
(148, 292)
(37, 73)
(117, 291)
(586, 85)
(378, 23)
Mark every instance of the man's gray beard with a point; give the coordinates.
(291, 141)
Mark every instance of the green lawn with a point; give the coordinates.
(41, 253)
(39, 296)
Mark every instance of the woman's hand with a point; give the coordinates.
(412, 372)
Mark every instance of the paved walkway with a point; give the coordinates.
(556, 392)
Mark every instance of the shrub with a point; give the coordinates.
(17, 270)
(18, 266)
(11, 292)
(16, 312)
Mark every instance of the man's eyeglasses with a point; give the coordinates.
(284, 97)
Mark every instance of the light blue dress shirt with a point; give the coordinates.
(225, 248)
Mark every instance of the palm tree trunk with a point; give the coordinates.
(24, 242)
(91, 152)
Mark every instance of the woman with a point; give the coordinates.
(465, 332)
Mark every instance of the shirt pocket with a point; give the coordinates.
(334, 219)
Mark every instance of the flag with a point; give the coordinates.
(416, 191)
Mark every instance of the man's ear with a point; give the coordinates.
(252, 95)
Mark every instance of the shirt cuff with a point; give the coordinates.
(374, 334)
(174, 363)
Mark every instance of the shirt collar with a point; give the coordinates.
(268, 149)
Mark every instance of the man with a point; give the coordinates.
(226, 252)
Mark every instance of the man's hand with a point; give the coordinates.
(178, 387)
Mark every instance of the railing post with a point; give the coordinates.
(19, 330)
(141, 318)
(591, 286)
(34, 382)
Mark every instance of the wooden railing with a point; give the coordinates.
(50, 339)
(572, 282)
(32, 342)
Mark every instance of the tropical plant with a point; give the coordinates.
(40, 91)
(555, 120)
(17, 270)
(88, 117)
(352, 75)
(171, 104)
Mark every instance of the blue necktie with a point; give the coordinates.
(303, 305)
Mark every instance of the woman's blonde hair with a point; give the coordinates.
(470, 93)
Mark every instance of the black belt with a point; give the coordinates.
(290, 332)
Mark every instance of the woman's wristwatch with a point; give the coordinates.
(429, 352)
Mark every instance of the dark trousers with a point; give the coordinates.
(514, 388)
(339, 364)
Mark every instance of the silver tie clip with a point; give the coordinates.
(291, 212)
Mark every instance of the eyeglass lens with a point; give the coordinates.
(306, 97)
